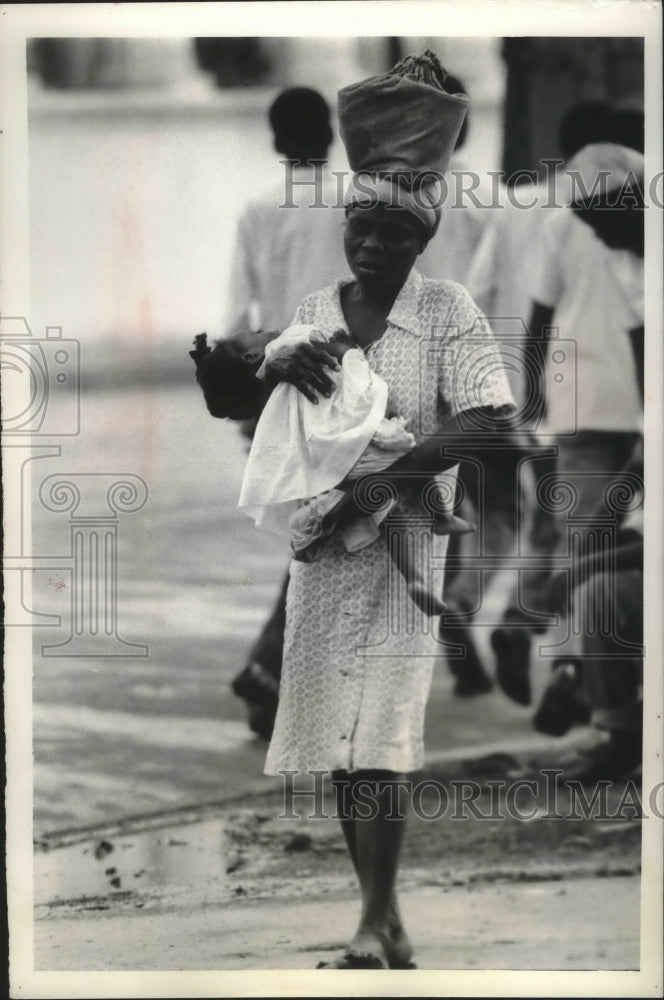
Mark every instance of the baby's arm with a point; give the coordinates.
(339, 343)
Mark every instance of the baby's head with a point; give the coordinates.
(227, 375)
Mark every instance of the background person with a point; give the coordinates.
(603, 592)
(501, 279)
(289, 239)
(450, 251)
(590, 286)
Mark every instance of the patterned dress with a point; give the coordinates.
(358, 654)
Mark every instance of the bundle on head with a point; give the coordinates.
(403, 123)
(227, 374)
(423, 69)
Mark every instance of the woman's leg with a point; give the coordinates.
(374, 845)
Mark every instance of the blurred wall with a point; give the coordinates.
(135, 193)
(547, 76)
(134, 211)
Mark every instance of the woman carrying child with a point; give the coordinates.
(359, 651)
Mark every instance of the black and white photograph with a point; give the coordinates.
(331, 359)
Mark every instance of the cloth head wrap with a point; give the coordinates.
(604, 167)
(423, 202)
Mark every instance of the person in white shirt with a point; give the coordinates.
(464, 214)
(589, 289)
(289, 239)
(500, 278)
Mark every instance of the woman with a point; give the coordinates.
(358, 654)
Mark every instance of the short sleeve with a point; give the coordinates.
(306, 311)
(471, 373)
(548, 278)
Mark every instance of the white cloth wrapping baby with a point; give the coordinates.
(301, 449)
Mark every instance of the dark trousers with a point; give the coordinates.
(578, 492)
(269, 647)
(609, 608)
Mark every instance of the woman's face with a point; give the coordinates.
(382, 244)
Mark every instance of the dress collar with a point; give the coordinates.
(404, 312)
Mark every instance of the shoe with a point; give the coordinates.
(562, 705)
(512, 649)
(255, 684)
(617, 757)
(261, 720)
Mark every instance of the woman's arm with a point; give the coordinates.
(428, 458)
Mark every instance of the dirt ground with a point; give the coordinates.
(240, 888)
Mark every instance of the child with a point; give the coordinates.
(227, 374)
(291, 475)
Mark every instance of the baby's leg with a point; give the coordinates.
(406, 561)
(445, 523)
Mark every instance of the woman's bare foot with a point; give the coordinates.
(366, 951)
(398, 948)
(397, 944)
(425, 600)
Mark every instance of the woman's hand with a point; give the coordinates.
(305, 366)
